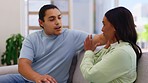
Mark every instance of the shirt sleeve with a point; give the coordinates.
(79, 38)
(111, 66)
(27, 49)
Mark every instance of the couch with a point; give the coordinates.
(76, 76)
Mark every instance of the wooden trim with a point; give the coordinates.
(58, 0)
(36, 13)
(65, 12)
(70, 13)
(39, 0)
(65, 26)
(38, 27)
(34, 28)
(33, 13)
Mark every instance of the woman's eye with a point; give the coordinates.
(59, 17)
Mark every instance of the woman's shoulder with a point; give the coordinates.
(124, 48)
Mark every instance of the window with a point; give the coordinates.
(139, 10)
(90, 19)
(101, 6)
(32, 9)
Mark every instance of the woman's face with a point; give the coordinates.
(108, 30)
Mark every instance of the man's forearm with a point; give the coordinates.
(99, 38)
(25, 69)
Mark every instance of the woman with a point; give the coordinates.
(117, 61)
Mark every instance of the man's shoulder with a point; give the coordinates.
(73, 31)
(34, 35)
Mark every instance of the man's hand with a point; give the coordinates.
(89, 44)
(45, 79)
(30, 74)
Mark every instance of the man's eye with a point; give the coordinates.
(51, 19)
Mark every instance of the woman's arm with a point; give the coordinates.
(110, 67)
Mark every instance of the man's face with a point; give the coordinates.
(52, 22)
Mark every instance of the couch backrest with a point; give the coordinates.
(143, 69)
(77, 76)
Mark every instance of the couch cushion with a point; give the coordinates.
(77, 77)
(143, 69)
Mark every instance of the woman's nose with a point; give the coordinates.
(102, 29)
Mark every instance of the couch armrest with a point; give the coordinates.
(9, 69)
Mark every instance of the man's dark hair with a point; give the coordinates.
(122, 20)
(44, 9)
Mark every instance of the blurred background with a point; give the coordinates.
(21, 16)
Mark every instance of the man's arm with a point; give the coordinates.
(25, 69)
(99, 38)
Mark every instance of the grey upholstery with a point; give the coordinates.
(77, 75)
(143, 69)
(9, 69)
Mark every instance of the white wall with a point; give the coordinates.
(12, 17)
(102, 6)
(9, 21)
(83, 15)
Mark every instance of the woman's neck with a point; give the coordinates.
(113, 40)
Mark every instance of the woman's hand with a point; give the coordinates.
(107, 45)
(89, 45)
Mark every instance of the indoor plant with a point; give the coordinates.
(13, 46)
(145, 33)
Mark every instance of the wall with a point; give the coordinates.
(9, 20)
(13, 18)
(102, 6)
(83, 15)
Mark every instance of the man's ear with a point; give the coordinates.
(40, 22)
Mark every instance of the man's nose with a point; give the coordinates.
(57, 22)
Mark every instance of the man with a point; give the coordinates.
(46, 55)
